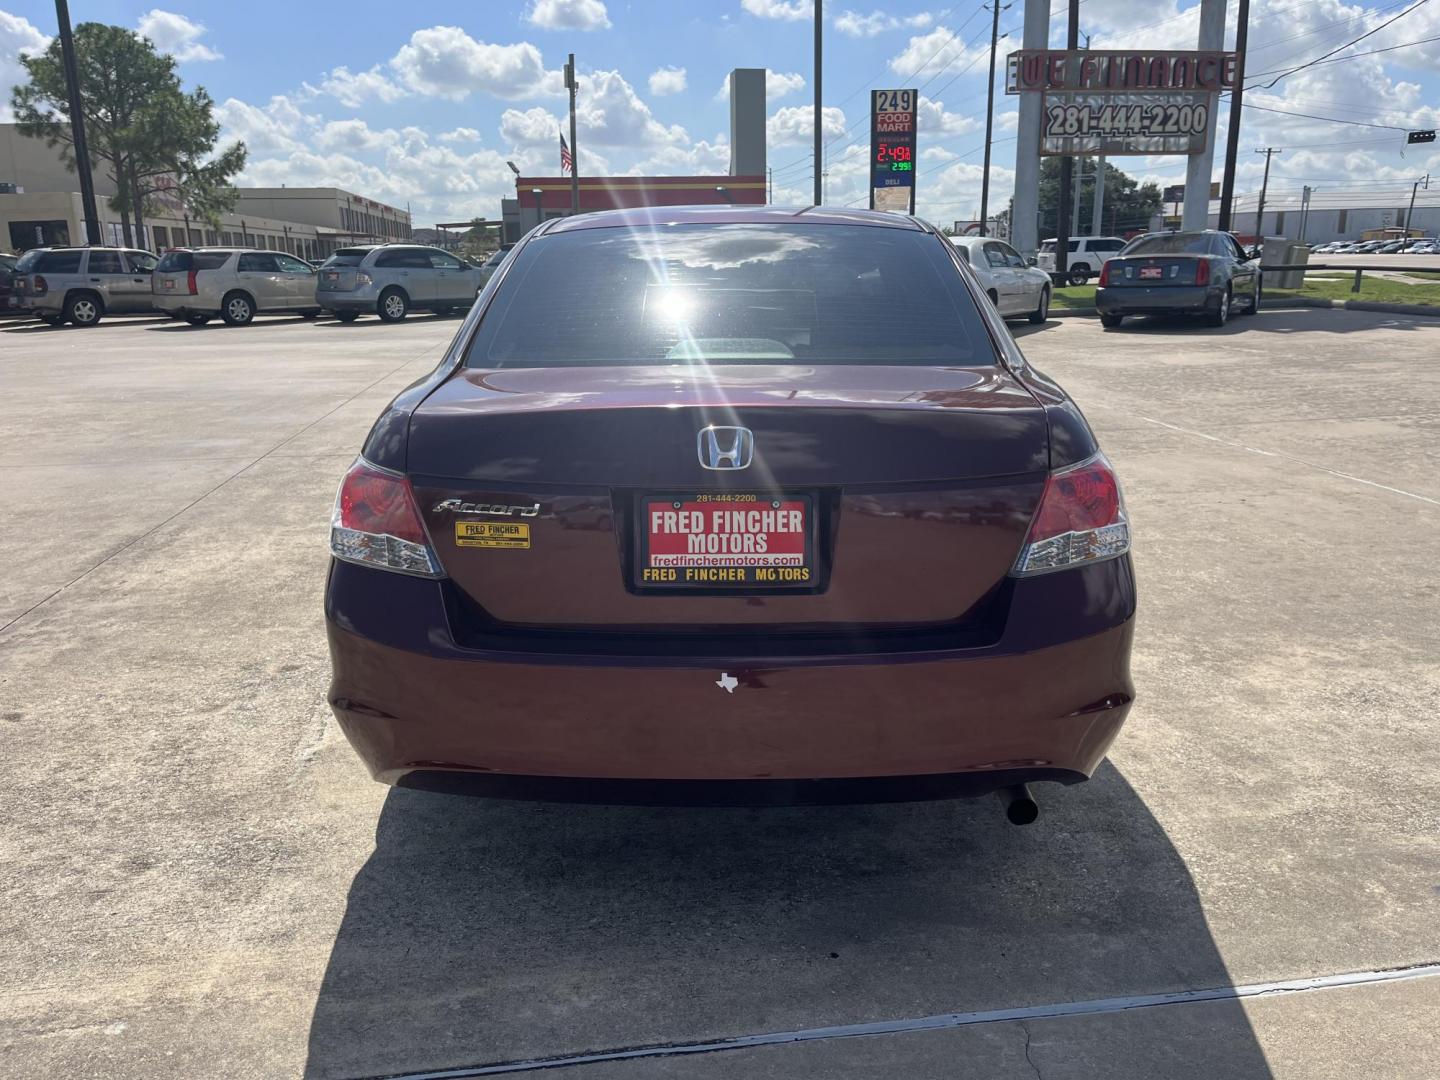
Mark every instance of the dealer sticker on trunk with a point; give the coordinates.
(492, 534)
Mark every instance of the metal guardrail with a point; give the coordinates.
(1359, 270)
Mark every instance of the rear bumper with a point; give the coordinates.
(358, 300)
(1043, 703)
(1158, 300)
(185, 304)
(51, 303)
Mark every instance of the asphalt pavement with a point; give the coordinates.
(201, 881)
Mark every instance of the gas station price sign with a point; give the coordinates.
(892, 150)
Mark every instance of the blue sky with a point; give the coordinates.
(423, 105)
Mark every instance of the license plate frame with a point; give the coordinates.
(713, 576)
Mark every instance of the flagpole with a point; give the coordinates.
(574, 150)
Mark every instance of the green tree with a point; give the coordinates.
(1129, 204)
(146, 134)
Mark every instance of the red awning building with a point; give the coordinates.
(539, 198)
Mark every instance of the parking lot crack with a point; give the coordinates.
(1028, 1060)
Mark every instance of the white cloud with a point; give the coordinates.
(934, 120)
(445, 61)
(778, 84)
(355, 136)
(796, 125)
(612, 115)
(854, 24)
(459, 135)
(533, 127)
(700, 159)
(569, 15)
(17, 37)
(176, 35)
(786, 10)
(279, 127)
(926, 54)
(667, 80)
(355, 88)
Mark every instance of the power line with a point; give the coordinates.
(1355, 56)
(1356, 41)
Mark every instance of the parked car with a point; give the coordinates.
(1014, 287)
(8, 303)
(490, 265)
(1085, 255)
(1391, 248)
(196, 284)
(1424, 247)
(82, 285)
(1202, 272)
(712, 396)
(391, 280)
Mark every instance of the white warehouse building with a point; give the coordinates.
(1332, 214)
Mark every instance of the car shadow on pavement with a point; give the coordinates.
(484, 931)
(1276, 321)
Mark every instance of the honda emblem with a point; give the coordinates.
(726, 447)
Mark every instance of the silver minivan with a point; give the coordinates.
(235, 283)
(81, 285)
(392, 279)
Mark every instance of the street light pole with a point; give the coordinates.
(819, 129)
(77, 124)
(1067, 163)
(989, 121)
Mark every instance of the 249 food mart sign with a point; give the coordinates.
(892, 150)
(1122, 102)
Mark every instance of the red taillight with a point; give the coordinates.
(1081, 519)
(1104, 274)
(190, 283)
(1202, 272)
(41, 286)
(377, 523)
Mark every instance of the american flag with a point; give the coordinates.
(567, 162)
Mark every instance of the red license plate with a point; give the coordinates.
(726, 541)
(1150, 272)
(169, 285)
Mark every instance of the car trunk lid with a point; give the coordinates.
(915, 486)
(1152, 270)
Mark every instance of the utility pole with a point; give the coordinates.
(770, 185)
(1304, 210)
(1232, 134)
(1410, 214)
(77, 125)
(1067, 163)
(574, 149)
(819, 162)
(1269, 151)
(989, 121)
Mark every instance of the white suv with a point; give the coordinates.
(1087, 255)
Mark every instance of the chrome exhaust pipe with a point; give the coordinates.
(1020, 806)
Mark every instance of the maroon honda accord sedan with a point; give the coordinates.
(737, 505)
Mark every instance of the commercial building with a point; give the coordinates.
(540, 198)
(39, 206)
(1331, 215)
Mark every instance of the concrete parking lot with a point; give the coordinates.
(200, 880)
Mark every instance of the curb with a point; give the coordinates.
(1293, 302)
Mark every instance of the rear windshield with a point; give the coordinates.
(742, 293)
(495, 257)
(181, 261)
(1170, 244)
(28, 260)
(348, 257)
